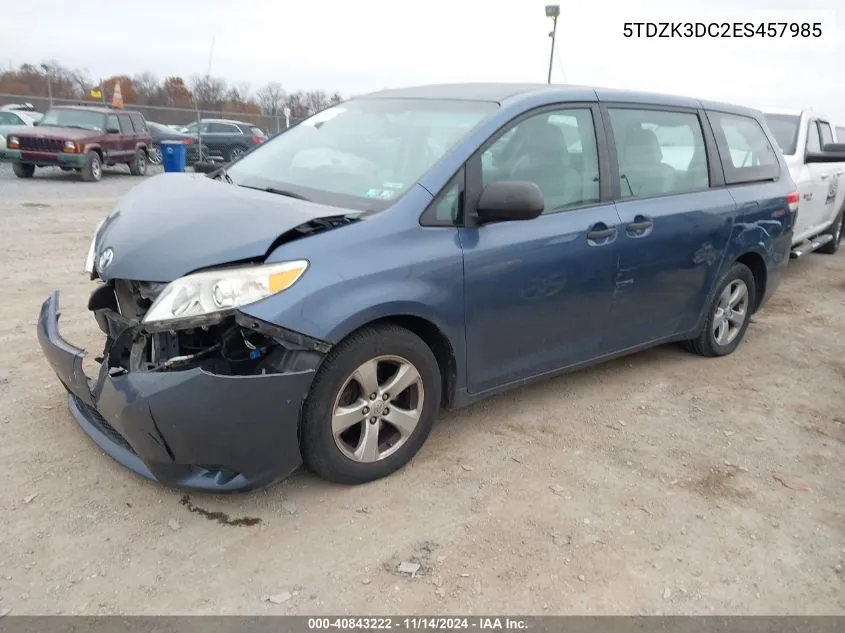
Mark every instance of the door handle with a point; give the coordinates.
(639, 226)
(600, 234)
(824, 176)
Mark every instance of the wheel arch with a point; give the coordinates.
(431, 334)
(757, 265)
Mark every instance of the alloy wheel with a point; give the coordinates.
(378, 408)
(731, 312)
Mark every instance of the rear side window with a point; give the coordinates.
(223, 128)
(138, 123)
(827, 134)
(840, 134)
(125, 124)
(745, 150)
(814, 143)
(659, 152)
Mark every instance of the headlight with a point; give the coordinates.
(213, 294)
(70, 147)
(89, 259)
(13, 142)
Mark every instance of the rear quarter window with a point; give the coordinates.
(138, 123)
(744, 149)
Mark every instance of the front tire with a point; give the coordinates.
(372, 405)
(92, 170)
(23, 170)
(138, 166)
(728, 315)
(836, 231)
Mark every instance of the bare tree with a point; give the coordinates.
(271, 99)
(147, 85)
(316, 100)
(209, 92)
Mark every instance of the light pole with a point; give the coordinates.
(46, 70)
(552, 11)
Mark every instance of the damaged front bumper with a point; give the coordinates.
(188, 428)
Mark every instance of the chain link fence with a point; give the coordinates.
(164, 114)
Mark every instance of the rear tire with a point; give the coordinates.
(728, 315)
(234, 153)
(836, 231)
(23, 170)
(344, 389)
(138, 166)
(92, 170)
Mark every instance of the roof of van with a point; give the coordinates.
(500, 92)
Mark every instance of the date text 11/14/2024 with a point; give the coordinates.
(417, 624)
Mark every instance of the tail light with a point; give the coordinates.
(792, 199)
(188, 141)
(257, 139)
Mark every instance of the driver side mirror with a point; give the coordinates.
(506, 200)
(114, 130)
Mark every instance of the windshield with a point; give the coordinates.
(85, 119)
(363, 154)
(784, 128)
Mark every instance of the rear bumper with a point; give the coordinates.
(188, 429)
(41, 158)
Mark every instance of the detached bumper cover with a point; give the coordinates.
(188, 429)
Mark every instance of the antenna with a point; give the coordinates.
(210, 57)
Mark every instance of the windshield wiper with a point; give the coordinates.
(279, 192)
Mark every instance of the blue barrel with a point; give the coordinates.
(173, 155)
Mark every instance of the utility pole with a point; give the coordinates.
(47, 74)
(552, 11)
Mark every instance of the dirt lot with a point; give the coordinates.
(661, 483)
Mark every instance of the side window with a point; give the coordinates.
(555, 149)
(447, 208)
(745, 150)
(659, 152)
(138, 123)
(840, 135)
(827, 134)
(125, 124)
(813, 137)
(112, 123)
(222, 128)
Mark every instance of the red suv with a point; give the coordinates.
(81, 138)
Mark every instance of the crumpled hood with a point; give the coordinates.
(174, 224)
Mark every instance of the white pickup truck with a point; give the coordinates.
(817, 164)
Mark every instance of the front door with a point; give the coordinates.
(674, 229)
(113, 144)
(538, 292)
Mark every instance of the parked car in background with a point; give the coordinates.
(817, 165)
(11, 120)
(227, 139)
(161, 132)
(327, 294)
(80, 138)
(30, 109)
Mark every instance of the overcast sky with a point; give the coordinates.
(360, 45)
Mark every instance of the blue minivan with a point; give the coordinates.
(324, 296)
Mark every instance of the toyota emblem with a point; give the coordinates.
(106, 258)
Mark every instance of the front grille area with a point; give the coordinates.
(94, 417)
(41, 144)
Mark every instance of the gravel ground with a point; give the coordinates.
(659, 483)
